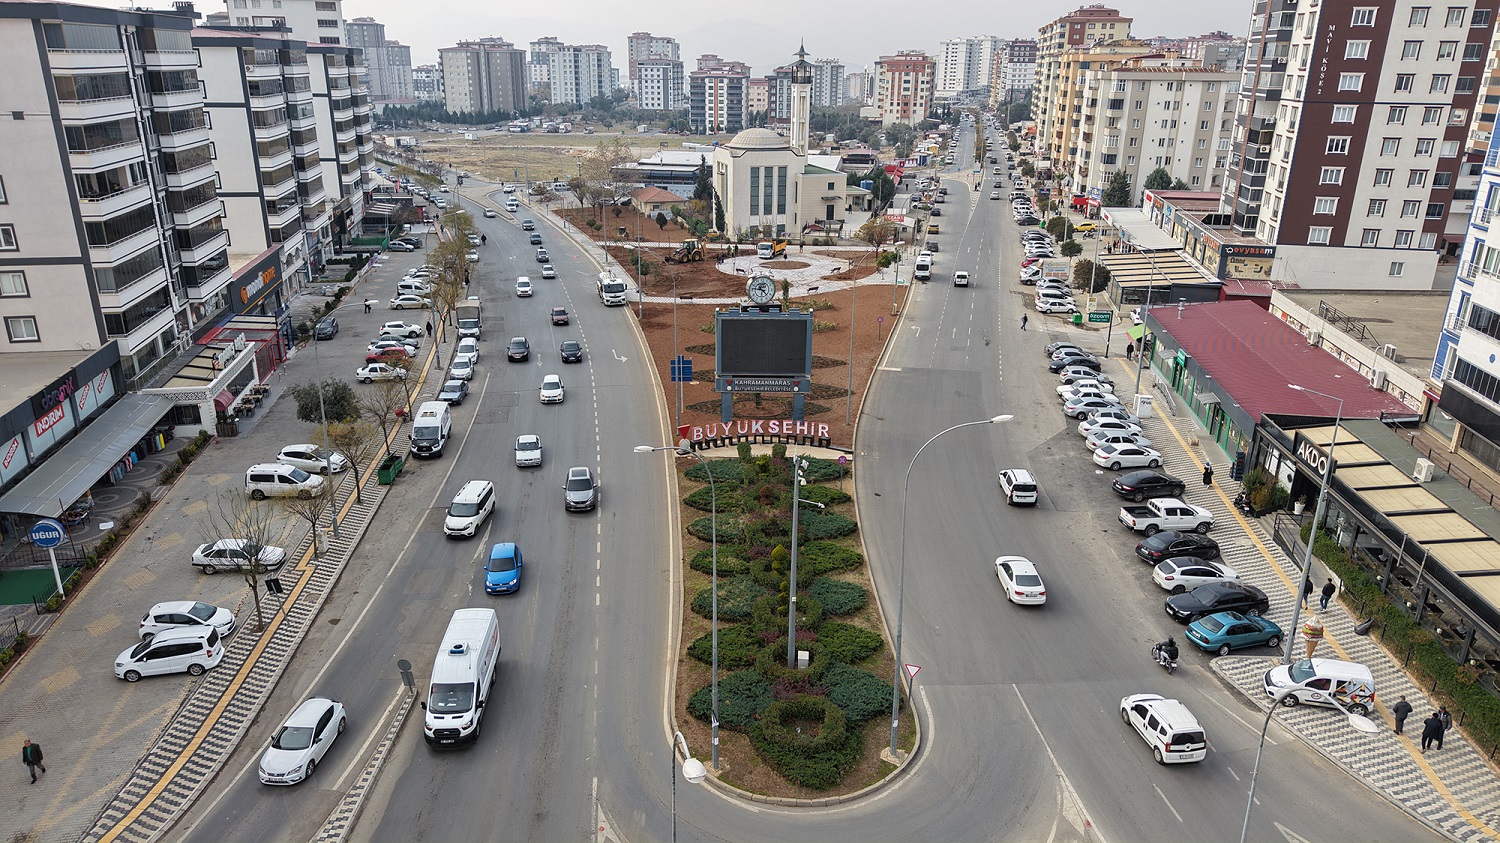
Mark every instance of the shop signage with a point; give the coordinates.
(1311, 455)
(758, 427)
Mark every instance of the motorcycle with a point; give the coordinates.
(1159, 653)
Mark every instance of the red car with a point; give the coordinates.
(1029, 262)
(559, 316)
(387, 355)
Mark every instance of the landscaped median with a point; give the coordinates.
(784, 732)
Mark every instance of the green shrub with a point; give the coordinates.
(838, 597)
(845, 642)
(737, 599)
(819, 470)
(826, 495)
(814, 761)
(816, 558)
(778, 451)
(731, 560)
(769, 612)
(860, 693)
(743, 697)
(771, 660)
(703, 499)
(743, 449)
(724, 471)
(728, 526)
(827, 525)
(738, 647)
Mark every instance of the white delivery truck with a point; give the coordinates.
(430, 429)
(470, 320)
(462, 675)
(611, 290)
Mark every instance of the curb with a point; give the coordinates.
(341, 820)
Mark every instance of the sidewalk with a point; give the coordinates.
(1455, 790)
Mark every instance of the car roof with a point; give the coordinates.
(176, 606)
(528, 437)
(306, 715)
(306, 445)
(578, 471)
(454, 384)
(187, 633)
(1019, 564)
(546, 378)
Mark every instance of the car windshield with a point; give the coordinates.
(138, 650)
(502, 564)
(525, 445)
(1301, 671)
(1028, 580)
(1212, 624)
(299, 475)
(579, 484)
(463, 510)
(453, 386)
(571, 346)
(293, 737)
(451, 697)
(202, 611)
(551, 383)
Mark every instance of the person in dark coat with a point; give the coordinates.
(1329, 589)
(429, 327)
(1208, 474)
(1442, 715)
(1401, 710)
(31, 756)
(1432, 730)
(1307, 589)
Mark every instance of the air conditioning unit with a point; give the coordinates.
(1266, 148)
(1314, 337)
(1377, 380)
(1388, 351)
(1423, 472)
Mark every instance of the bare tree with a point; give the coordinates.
(358, 440)
(379, 405)
(312, 509)
(232, 515)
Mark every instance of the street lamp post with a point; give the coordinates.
(692, 770)
(1318, 512)
(901, 578)
(798, 465)
(1145, 311)
(683, 448)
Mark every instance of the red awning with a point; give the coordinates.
(223, 400)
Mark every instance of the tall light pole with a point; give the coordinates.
(1145, 312)
(901, 578)
(798, 465)
(1312, 537)
(684, 449)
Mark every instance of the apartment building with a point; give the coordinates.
(312, 21)
(539, 65)
(861, 87)
(427, 83)
(904, 87)
(1012, 71)
(1469, 343)
(1070, 97)
(388, 63)
(757, 95)
(717, 97)
(1152, 112)
(1220, 49)
(965, 64)
(659, 85)
(829, 88)
(1070, 33)
(1350, 153)
(485, 76)
(640, 46)
(581, 72)
(779, 97)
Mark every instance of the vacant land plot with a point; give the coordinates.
(503, 156)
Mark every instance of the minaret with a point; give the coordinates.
(801, 101)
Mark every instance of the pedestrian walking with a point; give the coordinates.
(1023, 321)
(368, 302)
(1208, 474)
(1329, 589)
(1432, 730)
(1442, 715)
(429, 327)
(1129, 351)
(31, 756)
(1401, 710)
(1306, 591)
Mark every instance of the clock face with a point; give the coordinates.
(761, 290)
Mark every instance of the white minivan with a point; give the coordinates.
(462, 675)
(189, 649)
(280, 480)
(430, 429)
(474, 502)
(1314, 681)
(1018, 486)
(1167, 727)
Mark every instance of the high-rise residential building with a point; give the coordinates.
(640, 46)
(581, 72)
(1071, 94)
(1183, 122)
(829, 89)
(1469, 344)
(388, 62)
(717, 96)
(862, 86)
(539, 64)
(488, 75)
(904, 87)
(1076, 30)
(427, 83)
(779, 96)
(1350, 150)
(1013, 71)
(659, 84)
(965, 64)
(1216, 49)
(758, 95)
(313, 21)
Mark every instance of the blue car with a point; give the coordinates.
(502, 573)
(1225, 631)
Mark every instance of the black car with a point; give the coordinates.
(454, 392)
(1087, 361)
(414, 242)
(519, 349)
(1169, 543)
(328, 328)
(1205, 600)
(536, 239)
(572, 351)
(937, 212)
(1139, 485)
(1028, 220)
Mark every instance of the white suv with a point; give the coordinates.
(1167, 726)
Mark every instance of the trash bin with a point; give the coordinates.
(389, 468)
(1078, 319)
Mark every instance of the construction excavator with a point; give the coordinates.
(689, 251)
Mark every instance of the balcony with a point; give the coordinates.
(87, 60)
(271, 131)
(108, 157)
(100, 207)
(205, 250)
(278, 159)
(88, 111)
(121, 249)
(184, 139)
(176, 60)
(191, 176)
(208, 286)
(263, 71)
(167, 100)
(202, 212)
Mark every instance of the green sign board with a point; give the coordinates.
(1099, 315)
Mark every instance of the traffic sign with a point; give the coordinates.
(1100, 316)
(911, 670)
(47, 532)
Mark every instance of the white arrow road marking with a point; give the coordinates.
(617, 355)
(1291, 836)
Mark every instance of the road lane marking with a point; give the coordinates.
(1251, 729)
(1167, 801)
(1062, 776)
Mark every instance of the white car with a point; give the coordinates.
(1022, 584)
(1086, 384)
(1119, 413)
(1074, 374)
(1096, 424)
(490, 212)
(461, 369)
(302, 741)
(420, 273)
(379, 372)
(552, 390)
(236, 555)
(523, 287)
(1116, 457)
(401, 329)
(1045, 305)
(474, 240)
(472, 256)
(1185, 573)
(528, 449)
(467, 347)
(408, 300)
(1099, 438)
(1078, 394)
(1081, 408)
(1030, 273)
(176, 614)
(313, 459)
(549, 271)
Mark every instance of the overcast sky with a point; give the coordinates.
(765, 33)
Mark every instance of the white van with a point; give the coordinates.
(190, 649)
(474, 502)
(924, 269)
(462, 675)
(1167, 727)
(413, 288)
(273, 479)
(1018, 486)
(1313, 681)
(430, 429)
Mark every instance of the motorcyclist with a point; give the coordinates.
(1167, 650)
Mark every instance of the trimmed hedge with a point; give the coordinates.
(838, 597)
(826, 495)
(743, 698)
(771, 661)
(767, 614)
(703, 499)
(816, 558)
(820, 470)
(824, 525)
(731, 561)
(729, 528)
(860, 693)
(737, 599)
(845, 642)
(724, 470)
(815, 761)
(738, 646)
